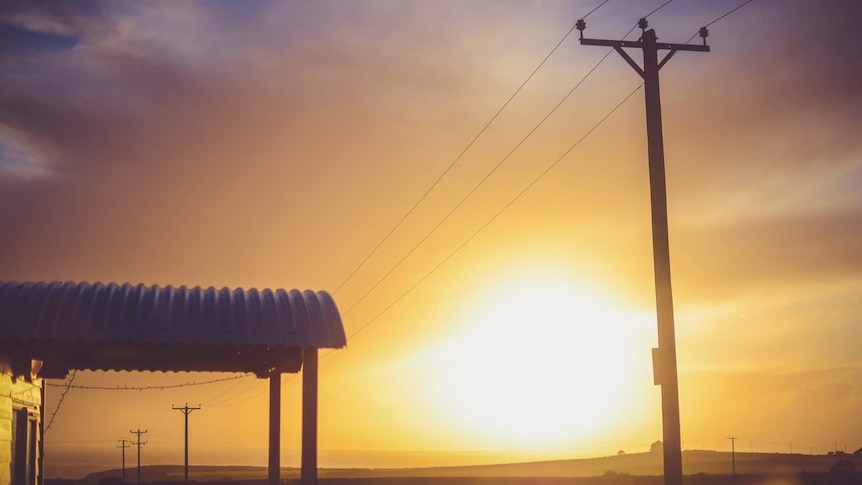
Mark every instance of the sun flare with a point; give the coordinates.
(543, 361)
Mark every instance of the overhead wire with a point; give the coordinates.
(413, 208)
(487, 223)
(461, 154)
(228, 399)
(229, 403)
(720, 17)
(494, 217)
(68, 387)
(147, 388)
(490, 173)
(665, 4)
(225, 391)
(154, 429)
(730, 12)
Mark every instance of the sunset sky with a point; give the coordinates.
(274, 144)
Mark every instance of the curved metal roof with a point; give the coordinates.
(106, 326)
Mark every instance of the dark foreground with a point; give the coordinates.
(835, 477)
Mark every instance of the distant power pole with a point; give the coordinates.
(124, 443)
(186, 410)
(139, 444)
(733, 452)
(664, 357)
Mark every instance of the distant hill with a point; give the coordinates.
(640, 464)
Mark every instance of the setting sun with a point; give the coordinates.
(542, 361)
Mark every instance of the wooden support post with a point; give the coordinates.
(309, 417)
(275, 428)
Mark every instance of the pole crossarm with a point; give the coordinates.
(620, 45)
(636, 44)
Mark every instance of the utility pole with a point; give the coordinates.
(124, 443)
(186, 410)
(664, 357)
(139, 444)
(733, 452)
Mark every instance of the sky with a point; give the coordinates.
(275, 144)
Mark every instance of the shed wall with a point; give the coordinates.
(25, 398)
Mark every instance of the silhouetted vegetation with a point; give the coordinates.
(843, 472)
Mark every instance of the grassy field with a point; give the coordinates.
(701, 468)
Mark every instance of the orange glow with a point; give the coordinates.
(541, 361)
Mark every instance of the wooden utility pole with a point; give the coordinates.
(124, 443)
(186, 410)
(139, 444)
(664, 357)
(733, 453)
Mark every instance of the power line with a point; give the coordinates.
(225, 391)
(227, 401)
(730, 12)
(494, 217)
(67, 386)
(415, 285)
(510, 203)
(148, 388)
(493, 170)
(461, 154)
(665, 4)
(719, 18)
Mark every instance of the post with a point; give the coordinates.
(274, 428)
(661, 261)
(42, 415)
(733, 453)
(309, 417)
(124, 443)
(139, 443)
(186, 410)
(664, 357)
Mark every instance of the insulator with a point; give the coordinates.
(581, 25)
(703, 33)
(642, 23)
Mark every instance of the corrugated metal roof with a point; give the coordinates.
(62, 316)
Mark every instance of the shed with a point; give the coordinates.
(48, 329)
